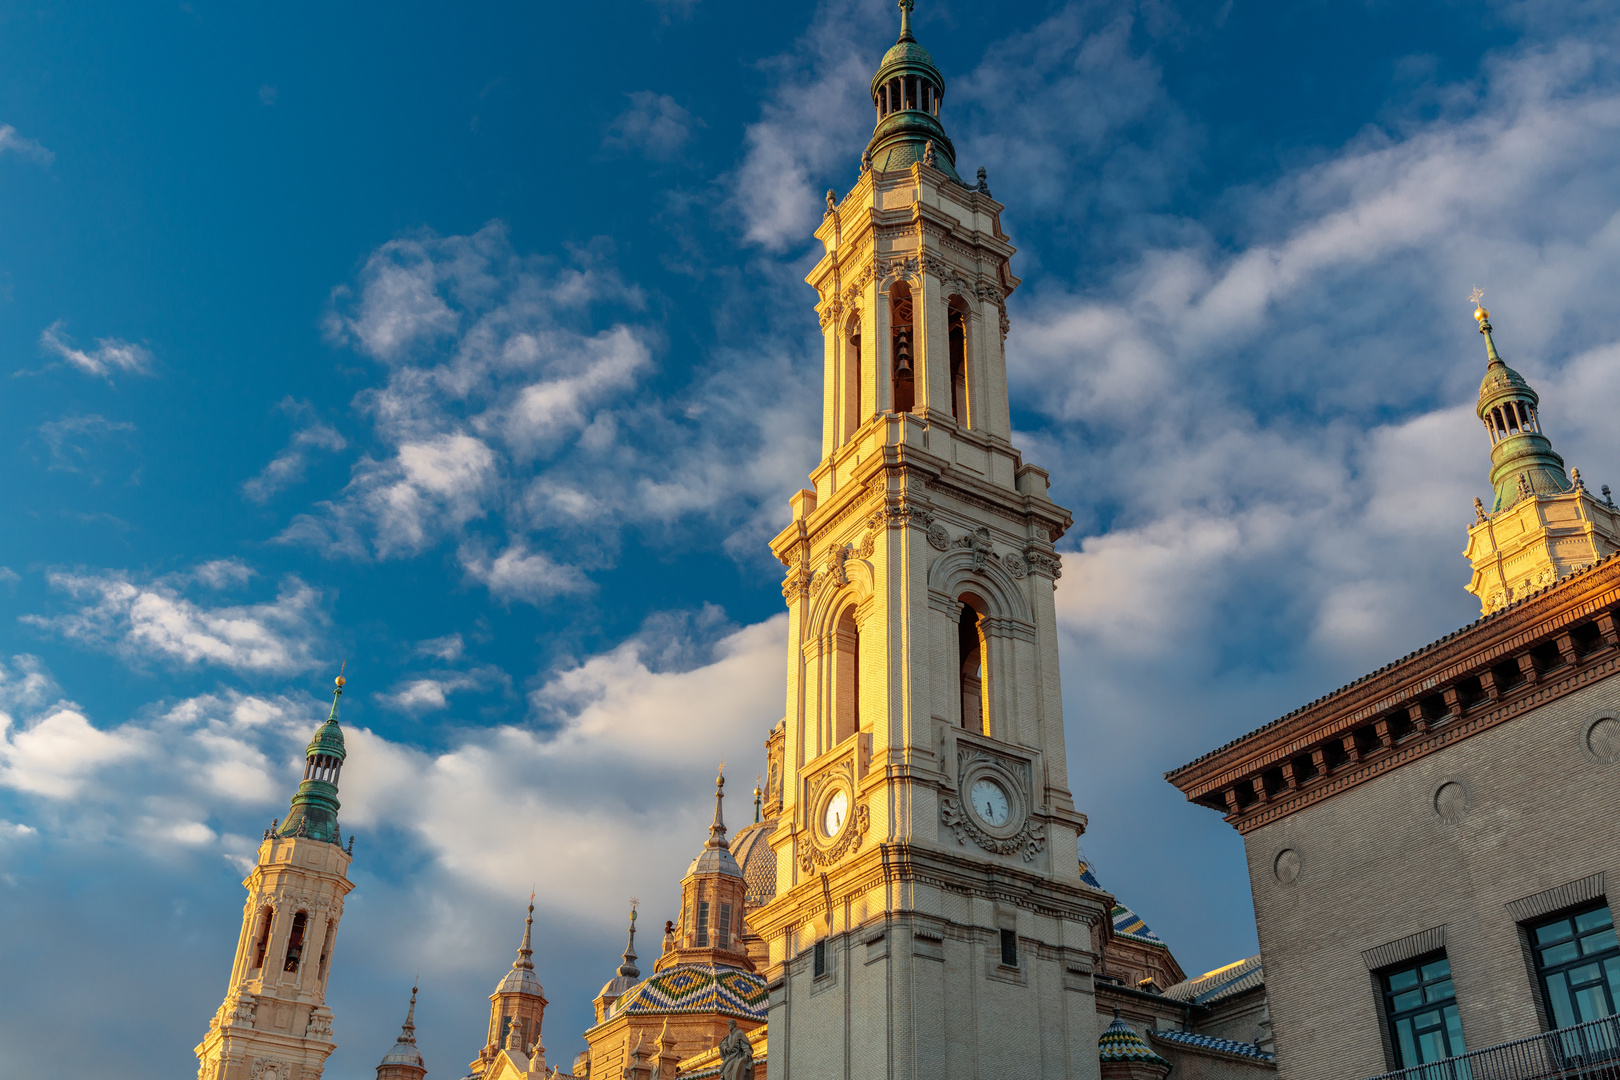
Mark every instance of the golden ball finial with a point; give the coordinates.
(1480, 314)
(339, 680)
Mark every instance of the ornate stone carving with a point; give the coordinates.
(1031, 839)
(320, 1025)
(238, 1011)
(978, 541)
(1015, 566)
(938, 536)
(1045, 563)
(269, 1069)
(898, 517)
(799, 576)
(835, 572)
(1020, 834)
(817, 850)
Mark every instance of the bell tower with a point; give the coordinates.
(274, 1023)
(929, 917)
(1543, 524)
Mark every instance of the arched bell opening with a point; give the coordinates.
(972, 654)
(903, 359)
(846, 676)
(854, 413)
(958, 311)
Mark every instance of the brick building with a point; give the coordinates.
(1429, 846)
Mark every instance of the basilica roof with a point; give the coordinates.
(1223, 982)
(753, 853)
(1127, 923)
(698, 988)
(1209, 1042)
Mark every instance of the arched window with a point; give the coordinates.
(267, 915)
(902, 372)
(326, 950)
(295, 941)
(959, 379)
(846, 677)
(971, 657)
(853, 412)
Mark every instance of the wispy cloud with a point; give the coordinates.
(13, 143)
(288, 467)
(152, 620)
(111, 355)
(654, 124)
(71, 441)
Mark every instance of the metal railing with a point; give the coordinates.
(1589, 1051)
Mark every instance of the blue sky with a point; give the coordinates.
(470, 344)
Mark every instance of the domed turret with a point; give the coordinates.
(1522, 458)
(404, 1061)
(315, 806)
(907, 92)
(518, 1005)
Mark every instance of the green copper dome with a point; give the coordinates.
(315, 805)
(1523, 462)
(907, 92)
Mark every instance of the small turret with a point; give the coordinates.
(518, 1005)
(907, 92)
(1522, 458)
(404, 1061)
(1543, 524)
(315, 805)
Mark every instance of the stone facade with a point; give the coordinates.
(914, 932)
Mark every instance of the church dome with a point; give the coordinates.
(753, 853)
(714, 860)
(404, 1053)
(521, 981)
(328, 740)
(907, 92)
(698, 988)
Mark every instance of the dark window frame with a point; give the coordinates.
(1009, 948)
(818, 959)
(1395, 1013)
(1605, 958)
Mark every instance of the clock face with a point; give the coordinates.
(989, 801)
(832, 819)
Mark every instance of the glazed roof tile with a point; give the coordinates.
(1219, 984)
(1210, 1042)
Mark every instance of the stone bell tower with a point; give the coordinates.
(929, 916)
(274, 1023)
(1543, 524)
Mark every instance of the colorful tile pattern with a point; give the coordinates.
(1210, 1042)
(1120, 1042)
(698, 988)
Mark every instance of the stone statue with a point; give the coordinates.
(736, 1054)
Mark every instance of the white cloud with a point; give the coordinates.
(111, 354)
(288, 467)
(654, 124)
(153, 620)
(12, 143)
(429, 693)
(520, 574)
(448, 648)
(72, 441)
(620, 762)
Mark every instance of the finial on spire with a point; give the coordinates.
(905, 21)
(1483, 317)
(758, 795)
(628, 968)
(407, 1033)
(717, 831)
(1479, 511)
(525, 954)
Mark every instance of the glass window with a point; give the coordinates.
(1421, 1006)
(1578, 965)
(1009, 948)
(703, 924)
(819, 959)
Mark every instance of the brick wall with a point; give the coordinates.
(1380, 863)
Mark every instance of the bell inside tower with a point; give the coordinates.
(904, 396)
